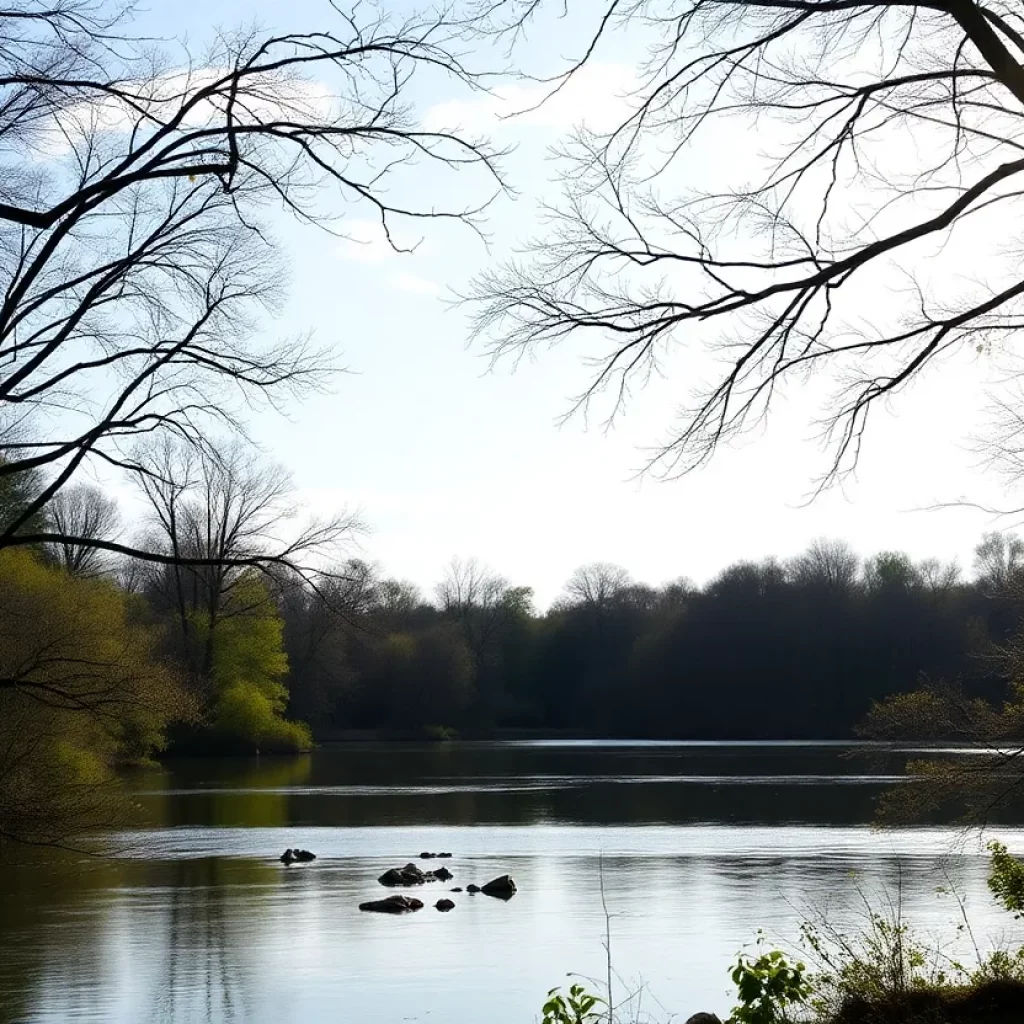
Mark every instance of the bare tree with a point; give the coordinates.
(829, 564)
(597, 585)
(999, 562)
(480, 602)
(878, 144)
(394, 597)
(214, 517)
(467, 585)
(939, 577)
(83, 511)
(135, 257)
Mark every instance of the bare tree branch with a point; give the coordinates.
(892, 136)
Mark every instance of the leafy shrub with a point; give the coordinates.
(1006, 880)
(768, 987)
(249, 715)
(578, 1007)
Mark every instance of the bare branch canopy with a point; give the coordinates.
(138, 188)
(797, 187)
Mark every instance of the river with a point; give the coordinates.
(192, 919)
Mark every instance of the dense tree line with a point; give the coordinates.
(769, 649)
(107, 661)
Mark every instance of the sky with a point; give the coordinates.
(444, 455)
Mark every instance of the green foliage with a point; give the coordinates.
(248, 669)
(882, 962)
(577, 1007)
(1006, 879)
(81, 692)
(250, 716)
(768, 988)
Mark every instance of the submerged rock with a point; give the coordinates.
(472, 888)
(442, 874)
(445, 905)
(393, 905)
(296, 856)
(457, 888)
(502, 887)
(409, 875)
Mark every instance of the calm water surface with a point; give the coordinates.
(699, 845)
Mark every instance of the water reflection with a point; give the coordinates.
(527, 783)
(698, 847)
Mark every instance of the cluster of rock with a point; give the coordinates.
(297, 856)
(503, 888)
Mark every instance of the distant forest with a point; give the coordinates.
(235, 656)
(767, 649)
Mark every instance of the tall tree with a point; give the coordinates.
(217, 516)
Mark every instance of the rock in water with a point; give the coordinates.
(409, 875)
(472, 888)
(503, 887)
(427, 856)
(442, 874)
(703, 1018)
(444, 855)
(445, 905)
(303, 856)
(288, 856)
(393, 905)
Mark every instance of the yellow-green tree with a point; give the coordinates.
(248, 669)
(81, 692)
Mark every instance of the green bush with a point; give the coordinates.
(578, 1007)
(1006, 880)
(769, 987)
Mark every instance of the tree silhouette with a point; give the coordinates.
(878, 144)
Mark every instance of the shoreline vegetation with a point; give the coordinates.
(885, 973)
(120, 664)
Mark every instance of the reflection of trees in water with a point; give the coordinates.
(173, 939)
(466, 784)
(51, 948)
(244, 793)
(209, 914)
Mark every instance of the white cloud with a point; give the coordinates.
(415, 284)
(597, 96)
